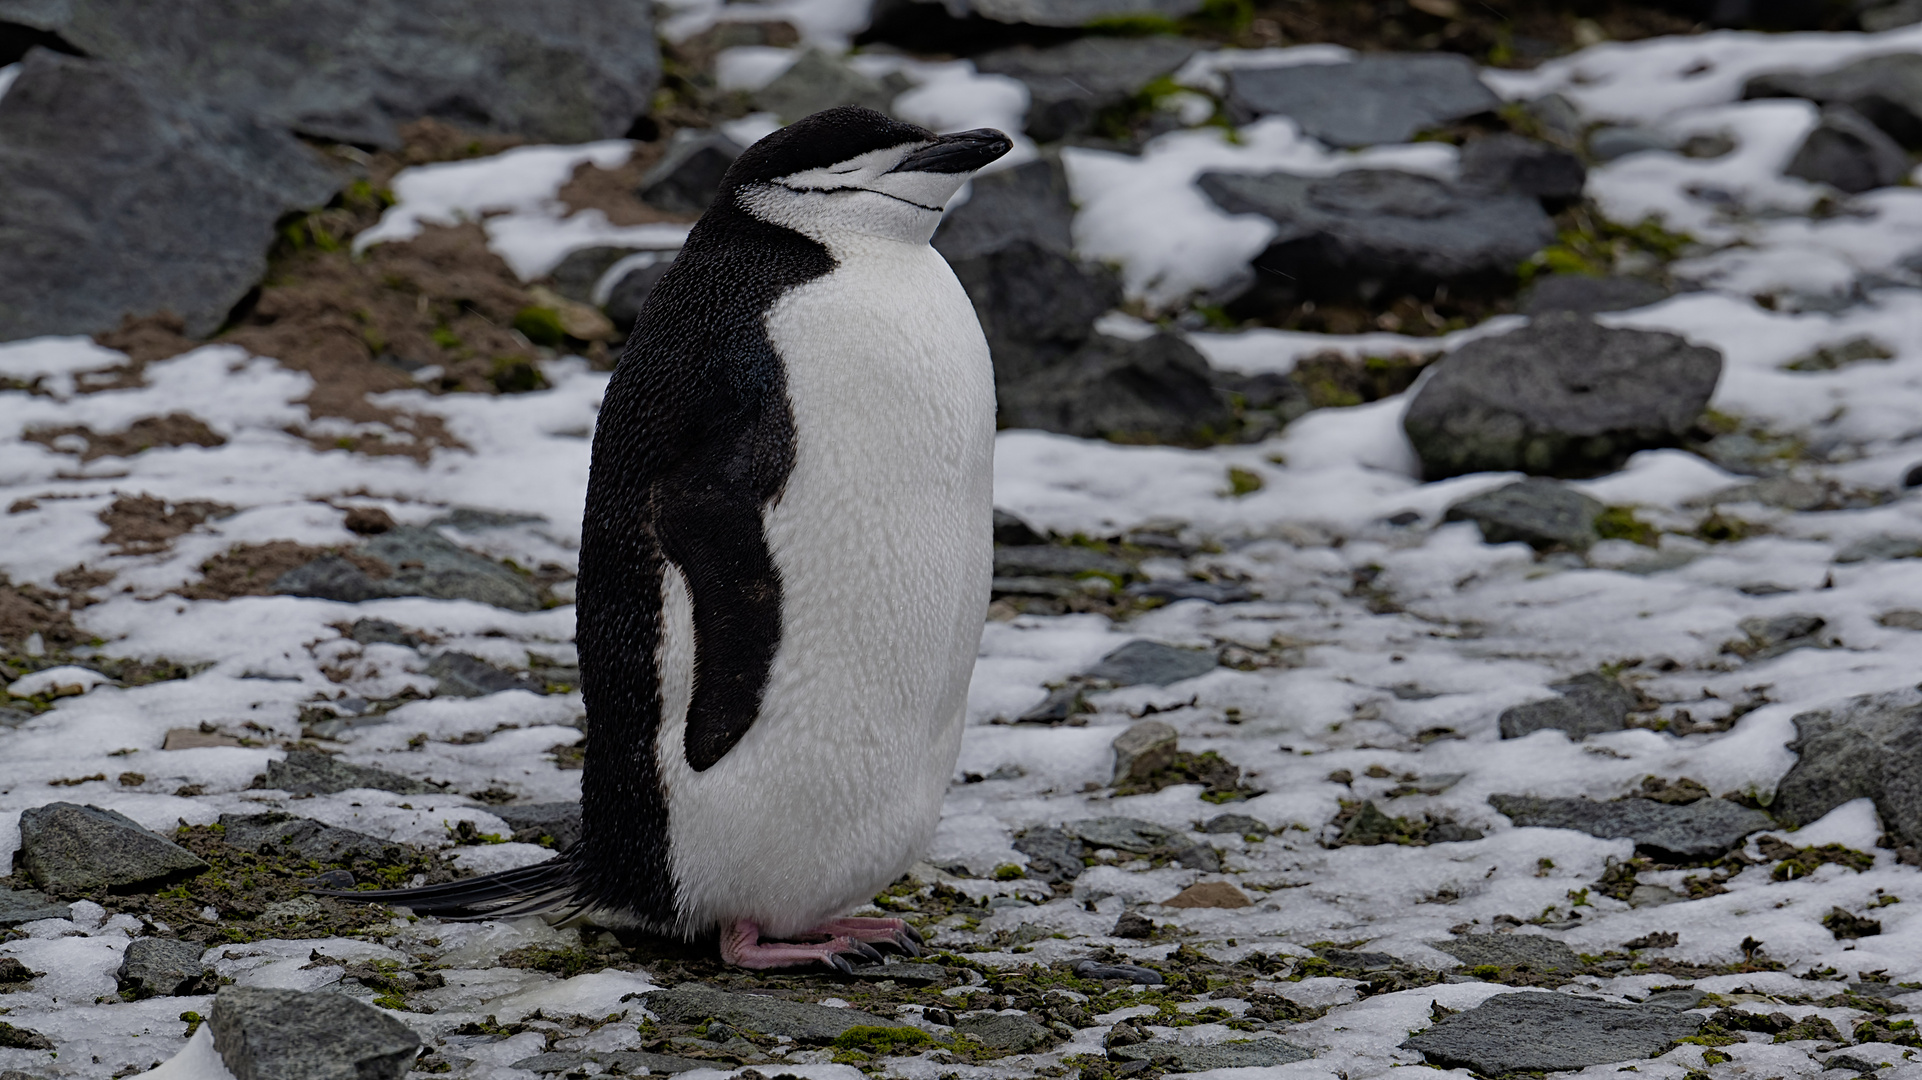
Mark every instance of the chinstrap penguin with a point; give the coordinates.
(784, 563)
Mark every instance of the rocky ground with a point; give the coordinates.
(1458, 584)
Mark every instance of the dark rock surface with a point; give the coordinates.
(1056, 559)
(1012, 531)
(162, 967)
(1052, 854)
(24, 905)
(1214, 592)
(1158, 389)
(1510, 162)
(531, 821)
(687, 177)
(1147, 746)
(1153, 663)
(1549, 1032)
(1849, 153)
(120, 201)
(1589, 295)
(1056, 13)
(1143, 838)
(797, 1020)
(1589, 704)
(1239, 824)
(1698, 830)
(1365, 233)
(74, 849)
(423, 563)
(1867, 747)
(1538, 512)
(1070, 85)
(267, 1034)
(308, 839)
(1535, 951)
(1560, 396)
(1886, 90)
(1095, 969)
(613, 1062)
(1382, 98)
(307, 772)
(462, 675)
(818, 81)
(351, 70)
(1007, 1034)
(1177, 1057)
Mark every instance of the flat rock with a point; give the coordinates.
(1053, 855)
(1143, 838)
(1541, 513)
(265, 1034)
(1178, 1057)
(308, 772)
(1145, 747)
(1070, 85)
(1589, 704)
(1239, 824)
(24, 905)
(1158, 389)
(463, 675)
(576, 276)
(278, 833)
(1007, 1033)
(819, 81)
(1213, 592)
(1095, 969)
(1867, 747)
(1548, 1032)
(1510, 162)
(422, 563)
(1561, 396)
(613, 1062)
(1848, 153)
(688, 176)
(531, 821)
(1209, 894)
(1698, 830)
(1886, 90)
(797, 1020)
(1533, 951)
(1586, 295)
(1152, 663)
(75, 849)
(162, 967)
(1381, 98)
(122, 201)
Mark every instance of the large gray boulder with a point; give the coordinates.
(274, 832)
(79, 849)
(265, 1034)
(1886, 90)
(1070, 85)
(816, 82)
(1561, 396)
(162, 967)
(354, 70)
(1158, 389)
(1847, 152)
(1548, 1032)
(1383, 98)
(121, 201)
(1868, 747)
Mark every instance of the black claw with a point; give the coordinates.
(913, 935)
(867, 952)
(909, 945)
(840, 964)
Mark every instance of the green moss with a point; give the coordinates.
(512, 375)
(1720, 528)
(1620, 523)
(1243, 482)
(1009, 872)
(565, 962)
(875, 1039)
(1805, 861)
(445, 337)
(540, 325)
(1592, 245)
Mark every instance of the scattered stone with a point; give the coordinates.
(1056, 13)
(422, 563)
(1547, 1032)
(1061, 703)
(1771, 636)
(1133, 925)
(612, 1062)
(277, 833)
(1586, 295)
(77, 849)
(1590, 703)
(1239, 824)
(1370, 826)
(819, 81)
(1144, 748)
(1868, 747)
(560, 821)
(802, 1022)
(894, 970)
(1012, 531)
(1213, 592)
(1849, 153)
(1533, 951)
(1143, 838)
(1070, 85)
(1352, 960)
(1560, 396)
(576, 278)
(1152, 663)
(1180, 1057)
(1209, 894)
(1612, 142)
(1052, 854)
(1095, 969)
(308, 772)
(1886, 90)
(265, 1034)
(1005, 1033)
(24, 906)
(1509, 162)
(1538, 512)
(382, 632)
(181, 738)
(1680, 1000)
(689, 174)
(462, 675)
(1158, 389)
(1837, 355)
(1660, 939)
(161, 967)
(1881, 548)
(18, 1038)
(1379, 98)
(1055, 560)
(1699, 830)
(1901, 619)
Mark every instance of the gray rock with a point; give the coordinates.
(1353, 960)
(614, 1062)
(1702, 829)
(1053, 855)
(1510, 162)
(1146, 747)
(462, 675)
(531, 821)
(1367, 233)
(1606, 144)
(1899, 14)
(626, 297)
(123, 202)
(1533, 951)
(352, 71)
(77, 849)
(1886, 90)
(576, 276)
(1213, 592)
(1159, 389)
(24, 905)
(1559, 396)
(688, 176)
(161, 967)
(1848, 153)
(380, 631)
(1559, 118)
(1547, 1032)
(818, 81)
(1239, 824)
(909, 974)
(1585, 295)
(275, 832)
(1055, 559)
(1062, 701)
(472, 519)
(1771, 636)
(1541, 513)
(1095, 969)
(264, 1034)
(1867, 747)
(1680, 1000)
(1007, 1034)
(1589, 704)
(1010, 530)
(424, 563)
(1380, 98)
(1070, 85)
(797, 1020)
(1178, 1057)
(1152, 663)
(307, 772)
(1143, 838)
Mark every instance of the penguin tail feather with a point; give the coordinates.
(542, 889)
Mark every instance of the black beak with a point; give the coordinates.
(962, 152)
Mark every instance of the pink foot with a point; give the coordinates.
(741, 946)
(895, 933)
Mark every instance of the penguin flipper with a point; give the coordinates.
(542, 889)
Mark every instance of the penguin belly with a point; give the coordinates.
(883, 539)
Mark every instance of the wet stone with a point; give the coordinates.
(1144, 748)
(265, 1034)
(305, 838)
(799, 1021)
(1007, 1034)
(560, 821)
(1537, 512)
(1153, 663)
(1533, 951)
(1052, 854)
(24, 905)
(1698, 830)
(1589, 704)
(1548, 1032)
(1177, 1057)
(75, 849)
(161, 967)
(308, 772)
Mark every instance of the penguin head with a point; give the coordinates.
(853, 171)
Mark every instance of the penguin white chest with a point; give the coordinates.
(882, 537)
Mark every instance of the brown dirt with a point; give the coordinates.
(173, 429)
(143, 524)
(611, 191)
(26, 610)
(249, 570)
(80, 581)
